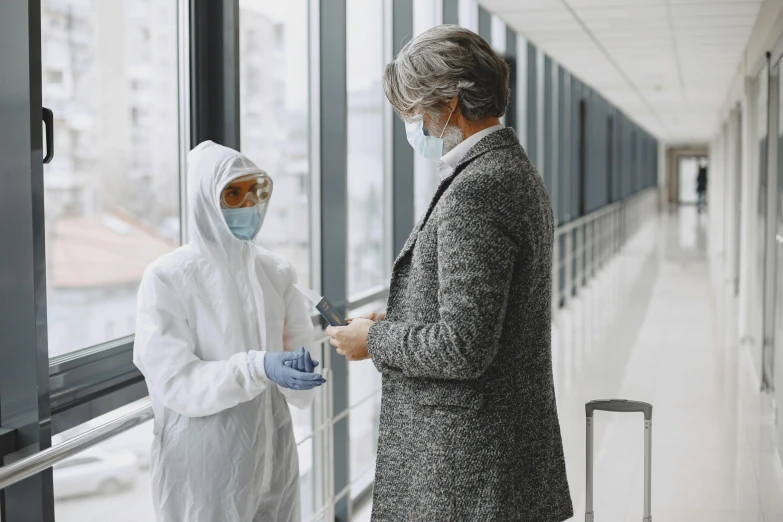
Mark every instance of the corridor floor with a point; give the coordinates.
(647, 329)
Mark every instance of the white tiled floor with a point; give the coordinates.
(647, 328)
(662, 342)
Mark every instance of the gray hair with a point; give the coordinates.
(444, 62)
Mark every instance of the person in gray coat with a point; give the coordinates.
(469, 428)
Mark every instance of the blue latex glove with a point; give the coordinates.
(306, 363)
(277, 371)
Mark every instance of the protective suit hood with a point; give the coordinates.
(211, 167)
(207, 313)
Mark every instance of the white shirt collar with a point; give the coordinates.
(453, 157)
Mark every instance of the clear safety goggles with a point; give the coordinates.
(259, 192)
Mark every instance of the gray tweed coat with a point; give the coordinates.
(469, 428)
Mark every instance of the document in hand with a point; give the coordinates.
(327, 309)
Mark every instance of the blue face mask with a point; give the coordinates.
(428, 146)
(244, 223)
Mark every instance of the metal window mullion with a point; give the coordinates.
(389, 118)
(541, 94)
(333, 213)
(450, 12)
(24, 355)
(214, 72)
(183, 110)
(511, 119)
(485, 24)
(568, 261)
(770, 229)
(402, 153)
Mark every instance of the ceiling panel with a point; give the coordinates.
(666, 63)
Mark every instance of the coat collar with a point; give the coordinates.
(497, 140)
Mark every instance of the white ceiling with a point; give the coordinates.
(668, 64)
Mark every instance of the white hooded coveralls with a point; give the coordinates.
(223, 448)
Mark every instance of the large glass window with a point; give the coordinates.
(426, 14)
(112, 190)
(274, 94)
(366, 164)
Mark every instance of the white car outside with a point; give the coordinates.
(94, 472)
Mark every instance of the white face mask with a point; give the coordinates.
(428, 146)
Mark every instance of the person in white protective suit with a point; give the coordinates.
(222, 339)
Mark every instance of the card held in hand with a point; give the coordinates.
(324, 307)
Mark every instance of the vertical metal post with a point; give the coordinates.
(579, 258)
(531, 133)
(511, 58)
(554, 174)
(24, 355)
(589, 471)
(541, 95)
(451, 12)
(334, 218)
(768, 350)
(601, 232)
(485, 24)
(736, 115)
(647, 470)
(568, 261)
(403, 178)
(214, 72)
(184, 110)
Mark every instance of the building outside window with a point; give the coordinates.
(112, 190)
(274, 119)
(367, 264)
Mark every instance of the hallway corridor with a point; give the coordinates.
(647, 329)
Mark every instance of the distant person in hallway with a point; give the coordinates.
(469, 429)
(701, 185)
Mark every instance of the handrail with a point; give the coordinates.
(29, 466)
(587, 218)
(606, 209)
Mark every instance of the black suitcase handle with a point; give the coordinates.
(619, 405)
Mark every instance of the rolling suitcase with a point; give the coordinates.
(620, 405)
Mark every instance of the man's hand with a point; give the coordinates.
(351, 340)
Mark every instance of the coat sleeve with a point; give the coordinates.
(298, 332)
(164, 352)
(476, 258)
